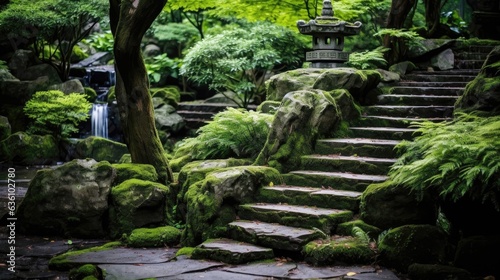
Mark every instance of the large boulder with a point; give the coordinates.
(211, 202)
(386, 205)
(483, 93)
(358, 82)
(100, 148)
(302, 117)
(25, 149)
(70, 200)
(70, 86)
(138, 203)
(409, 244)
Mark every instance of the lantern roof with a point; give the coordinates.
(327, 23)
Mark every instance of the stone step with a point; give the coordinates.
(382, 121)
(431, 84)
(463, 55)
(271, 235)
(426, 91)
(298, 195)
(295, 215)
(473, 48)
(200, 115)
(204, 107)
(469, 64)
(421, 77)
(392, 133)
(410, 111)
(231, 251)
(334, 180)
(357, 146)
(353, 163)
(452, 72)
(417, 100)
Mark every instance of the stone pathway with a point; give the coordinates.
(33, 255)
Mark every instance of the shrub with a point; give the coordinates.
(232, 133)
(456, 159)
(56, 113)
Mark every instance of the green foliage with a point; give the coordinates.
(456, 159)
(102, 42)
(232, 133)
(368, 59)
(56, 113)
(54, 27)
(360, 234)
(455, 22)
(3, 65)
(239, 59)
(411, 38)
(175, 35)
(161, 66)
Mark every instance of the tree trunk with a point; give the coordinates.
(396, 20)
(130, 19)
(432, 16)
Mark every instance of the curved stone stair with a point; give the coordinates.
(326, 191)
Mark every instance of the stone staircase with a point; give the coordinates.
(326, 191)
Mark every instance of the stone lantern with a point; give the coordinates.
(328, 34)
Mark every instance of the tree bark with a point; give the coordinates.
(396, 20)
(432, 16)
(130, 19)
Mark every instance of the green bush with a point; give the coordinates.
(239, 59)
(232, 133)
(456, 159)
(368, 59)
(56, 113)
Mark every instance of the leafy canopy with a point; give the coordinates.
(232, 133)
(56, 113)
(456, 159)
(238, 59)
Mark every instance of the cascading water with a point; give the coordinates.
(99, 119)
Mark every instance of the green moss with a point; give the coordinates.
(90, 94)
(87, 271)
(26, 149)
(185, 251)
(346, 228)
(345, 250)
(154, 237)
(61, 262)
(125, 171)
(101, 149)
(127, 197)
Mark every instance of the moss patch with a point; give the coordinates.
(87, 271)
(154, 237)
(62, 263)
(345, 250)
(125, 171)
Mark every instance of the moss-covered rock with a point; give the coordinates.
(211, 202)
(302, 117)
(185, 251)
(268, 107)
(339, 251)
(347, 228)
(418, 271)
(386, 205)
(5, 129)
(405, 245)
(483, 93)
(70, 200)
(100, 149)
(136, 203)
(84, 272)
(475, 253)
(125, 171)
(154, 237)
(25, 149)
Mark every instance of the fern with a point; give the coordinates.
(368, 59)
(231, 133)
(456, 159)
(360, 234)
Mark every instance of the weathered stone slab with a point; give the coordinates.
(168, 269)
(292, 270)
(215, 274)
(231, 251)
(125, 256)
(273, 235)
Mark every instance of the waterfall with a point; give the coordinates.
(99, 119)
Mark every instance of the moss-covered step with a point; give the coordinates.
(231, 251)
(357, 146)
(340, 249)
(394, 133)
(409, 111)
(427, 90)
(298, 195)
(419, 100)
(431, 84)
(384, 121)
(325, 219)
(354, 163)
(274, 236)
(335, 180)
